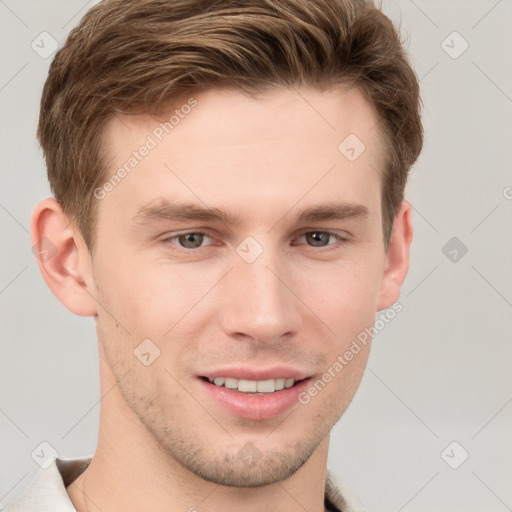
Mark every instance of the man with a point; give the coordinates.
(228, 181)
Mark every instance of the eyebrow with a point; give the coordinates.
(180, 211)
(332, 212)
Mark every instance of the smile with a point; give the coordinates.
(251, 399)
(253, 386)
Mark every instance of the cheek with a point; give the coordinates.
(344, 296)
(143, 296)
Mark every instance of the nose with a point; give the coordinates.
(259, 303)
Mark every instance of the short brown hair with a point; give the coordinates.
(134, 56)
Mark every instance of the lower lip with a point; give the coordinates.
(255, 407)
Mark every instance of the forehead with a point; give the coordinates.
(223, 147)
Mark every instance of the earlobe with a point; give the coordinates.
(397, 258)
(62, 257)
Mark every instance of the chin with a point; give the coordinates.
(248, 467)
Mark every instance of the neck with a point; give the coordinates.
(130, 472)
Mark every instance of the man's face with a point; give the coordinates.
(266, 298)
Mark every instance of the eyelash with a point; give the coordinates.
(341, 239)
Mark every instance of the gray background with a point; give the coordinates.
(439, 372)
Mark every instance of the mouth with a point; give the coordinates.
(264, 396)
(254, 387)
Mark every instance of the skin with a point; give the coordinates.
(163, 443)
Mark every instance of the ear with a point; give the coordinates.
(63, 258)
(397, 258)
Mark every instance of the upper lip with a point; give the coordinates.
(275, 372)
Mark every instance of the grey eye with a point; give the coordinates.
(318, 238)
(191, 240)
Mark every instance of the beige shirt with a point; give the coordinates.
(47, 493)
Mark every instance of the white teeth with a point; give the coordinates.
(279, 384)
(253, 386)
(231, 383)
(266, 386)
(247, 386)
(288, 383)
